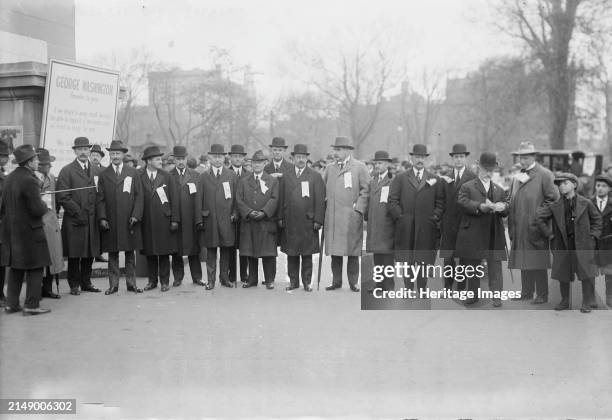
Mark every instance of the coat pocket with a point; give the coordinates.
(38, 233)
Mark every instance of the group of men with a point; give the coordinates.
(227, 211)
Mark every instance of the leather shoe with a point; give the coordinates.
(247, 285)
(199, 283)
(497, 303)
(308, 288)
(523, 297)
(111, 290)
(177, 283)
(134, 289)
(585, 308)
(227, 284)
(539, 300)
(165, 287)
(35, 311)
(288, 288)
(10, 310)
(209, 286)
(332, 287)
(90, 288)
(354, 289)
(563, 305)
(49, 294)
(593, 305)
(75, 291)
(269, 286)
(150, 286)
(470, 301)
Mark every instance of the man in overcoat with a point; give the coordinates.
(185, 182)
(453, 212)
(380, 227)
(4, 154)
(347, 187)
(603, 185)
(481, 234)
(216, 214)
(530, 189)
(24, 249)
(301, 215)
(257, 202)
(160, 221)
(120, 206)
(573, 225)
(416, 204)
(237, 155)
(80, 233)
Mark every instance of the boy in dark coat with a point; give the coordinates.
(603, 184)
(576, 225)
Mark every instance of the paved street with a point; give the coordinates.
(259, 353)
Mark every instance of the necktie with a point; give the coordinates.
(182, 173)
(152, 178)
(601, 205)
(341, 166)
(117, 171)
(419, 176)
(380, 179)
(86, 169)
(457, 177)
(2, 169)
(218, 174)
(238, 172)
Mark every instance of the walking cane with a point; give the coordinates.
(320, 258)
(56, 282)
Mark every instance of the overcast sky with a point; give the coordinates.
(444, 35)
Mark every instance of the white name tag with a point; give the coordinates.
(47, 200)
(192, 187)
(264, 187)
(162, 195)
(348, 180)
(305, 189)
(127, 184)
(384, 194)
(227, 190)
(96, 181)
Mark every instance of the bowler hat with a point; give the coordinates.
(525, 148)
(488, 160)
(278, 142)
(117, 146)
(237, 149)
(96, 148)
(130, 158)
(44, 156)
(459, 148)
(179, 151)
(216, 149)
(23, 153)
(343, 143)
(81, 142)
(419, 150)
(564, 176)
(258, 156)
(4, 148)
(300, 149)
(151, 152)
(381, 155)
(604, 178)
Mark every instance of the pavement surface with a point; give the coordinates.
(257, 353)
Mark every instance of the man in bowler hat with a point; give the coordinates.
(4, 155)
(237, 155)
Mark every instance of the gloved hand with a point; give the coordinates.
(200, 227)
(104, 225)
(233, 218)
(317, 225)
(260, 215)
(281, 223)
(484, 208)
(173, 226)
(132, 222)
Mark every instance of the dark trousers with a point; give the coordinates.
(588, 290)
(534, 280)
(244, 266)
(608, 285)
(79, 272)
(269, 269)
(33, 287)
(47, 280)
(352, 270)
(2, 276)
(494, 273)
(388, 282)
(158, 266)
(293, 269)
(178, 267)
(130, 270)
(448, 281)
(211, 264)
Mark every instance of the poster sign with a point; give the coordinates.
(11, 135)
(80, 101)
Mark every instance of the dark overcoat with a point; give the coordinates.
(453, 213)
(157, 239)
(243, 174)
(80, 232)
(299, 213)
(215, 211)
(417, 209)
(188, 243)
(24, 245)
(474, 236)
(380, 227)
(604, 244)
(117, 205)
(258, 237)
(587, 228)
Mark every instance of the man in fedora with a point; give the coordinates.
(347, 188)
(51, 223)
(80, 233)
(185, 182)
(95, 156)
(532, 188)
(453, 212)
(24, 245)
(4, 157)
(257, 202)
(237, 155)
(601, 200)
(301, 215)
(120, 206)
(380, 228)
(216, 214)
(416, 204)
(279, 165)
(160, 219)
(482, 235)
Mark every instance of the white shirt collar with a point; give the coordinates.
(219, 169)
(237, 169)
(416, 171)
(151, 172)
(383, 175)
(460, 171)
(485, 184)
(530, 167)
(120, 166)
(298, 171)
(83, 164)
(345, 161)
(259, 175)
(278, 164)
